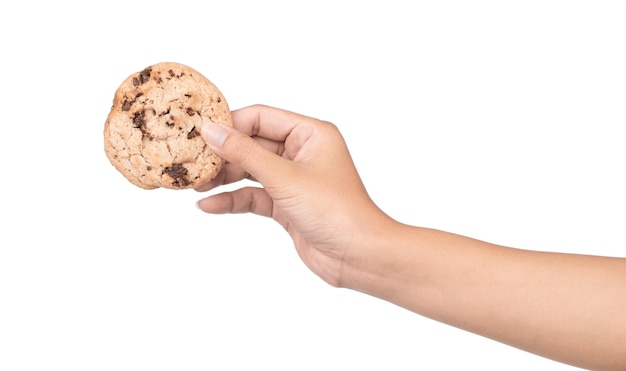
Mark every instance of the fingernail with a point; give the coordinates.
(214, 134)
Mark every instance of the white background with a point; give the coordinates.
(503, 121)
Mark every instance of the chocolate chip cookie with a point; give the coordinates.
(152, 134)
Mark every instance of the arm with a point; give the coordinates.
(562, 306)
(570, 308)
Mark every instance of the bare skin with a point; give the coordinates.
(566, 307)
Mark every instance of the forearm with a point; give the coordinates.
(566, 307)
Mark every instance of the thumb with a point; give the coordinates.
(243, 151)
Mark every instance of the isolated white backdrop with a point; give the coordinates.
(502, 121)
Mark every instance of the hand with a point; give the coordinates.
(524, 298)
(309, 185)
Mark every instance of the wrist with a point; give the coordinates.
(378, 259)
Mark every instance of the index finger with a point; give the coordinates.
(268, 122)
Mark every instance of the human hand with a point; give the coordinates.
(309, 182)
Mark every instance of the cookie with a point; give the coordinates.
(152, 134)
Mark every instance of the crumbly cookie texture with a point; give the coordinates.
(152, 134)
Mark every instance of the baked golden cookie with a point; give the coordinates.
(152, 134)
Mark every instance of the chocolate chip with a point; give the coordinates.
(128, 103)
(190, 111)
(138, 119)
(144, 76)
(188, 95)
(175, 171)
(193, 133)
(139, 122)
(180, 183)
(219, 99)
(179, 173)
